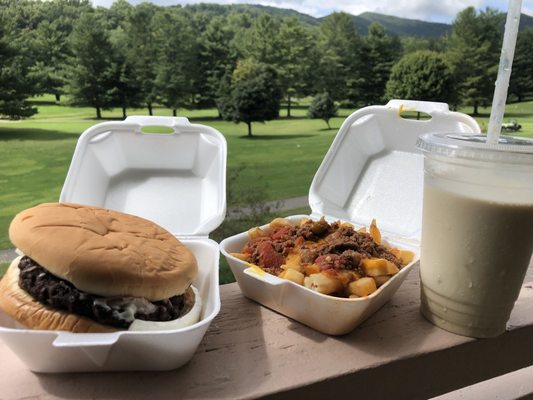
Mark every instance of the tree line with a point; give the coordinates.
(244, 64)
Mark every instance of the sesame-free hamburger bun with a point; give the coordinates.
(94, 269)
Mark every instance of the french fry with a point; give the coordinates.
(378, 266)
(292, 262)
(355, 275)
(256, 269)
(380, 280)
(374, 232)
(362, 287)
(304, 221)
(322, 283)
(279, 223)
(240, 256)
(255, 233)
(311, 269)
(293, 275)
(405, 256)
(346, 276)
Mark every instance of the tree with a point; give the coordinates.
(126, 92)
(118, 13)
(14, 87)
(340, 48)
(287, 46)
(322, 107)
(216, 56)
(521, 82)
(381, 53)
(175, 66)
(423, 75)
(297, 60)
(410, 44)
(261, 41)
(141, 51)
(474, 49)
(50, 50)
(251, 93)
(92, 72)
(39, 31)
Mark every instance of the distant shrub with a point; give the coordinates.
(422, 75)
(322, 107)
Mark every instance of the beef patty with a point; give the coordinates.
(118, 312)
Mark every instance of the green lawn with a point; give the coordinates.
(279, 161)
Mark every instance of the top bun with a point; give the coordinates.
(104, 252)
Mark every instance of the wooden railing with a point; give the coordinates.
(251, 352)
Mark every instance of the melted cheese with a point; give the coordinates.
(188, 319)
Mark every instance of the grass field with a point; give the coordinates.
(279, 161)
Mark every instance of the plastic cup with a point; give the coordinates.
(477, 230)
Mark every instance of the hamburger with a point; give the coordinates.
(90, 269)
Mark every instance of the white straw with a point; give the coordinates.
(504, 71)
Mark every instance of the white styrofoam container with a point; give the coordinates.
(372, 170)
(176, 180)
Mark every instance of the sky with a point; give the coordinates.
(426, 10)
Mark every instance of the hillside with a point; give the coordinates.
(526, 21)
(401, 26)
(393, 25)
(252, 9)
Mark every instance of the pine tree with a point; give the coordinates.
(92, 72)
(216, 56)
(474, 51)
(521, 82)
(340, 49)
(141, 51)
(50, 49)
(15, 88)
(381, 53)
(297, 62)
(261, 41)
(126, 91)
(175, 67)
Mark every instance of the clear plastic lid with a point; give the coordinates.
(509, 149)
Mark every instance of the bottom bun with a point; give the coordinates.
(19, 305)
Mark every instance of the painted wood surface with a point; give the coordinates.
(251, 352)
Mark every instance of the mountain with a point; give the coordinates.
(254, 10)
(393, 25)
(401, 26)
(526, 21)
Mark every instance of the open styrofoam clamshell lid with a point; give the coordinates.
(175, 179)
(372, 170)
